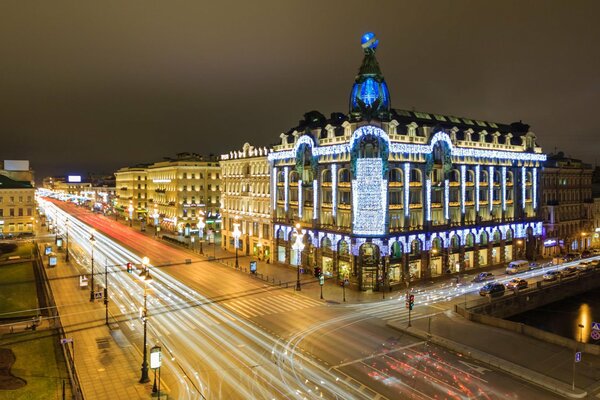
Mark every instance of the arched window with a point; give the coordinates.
(326, 176)
(415, 175)
(293, 177)
(497, 236)
(395, 175)
(326, 244)
(509, 234)
(436, 245)
(344, 175)
(483, 238)
(469, 240)
(396, 250)
(343, 248)
(415, 247)
(455, 243)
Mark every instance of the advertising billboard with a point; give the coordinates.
(74, 178)
(16, 165)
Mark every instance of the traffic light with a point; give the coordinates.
(411, 301)
(317, 272)
(129, 267)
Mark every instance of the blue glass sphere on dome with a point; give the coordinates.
(369, 41)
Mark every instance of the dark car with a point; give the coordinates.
(571, 257)
(516, 284)
(494, 289)
(569, 271)
(484, 276)
(586, 254)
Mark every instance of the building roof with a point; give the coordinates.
(7, 183)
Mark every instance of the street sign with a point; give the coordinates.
(253, 267)
(321, 280)
(596, 326)
(155, 357)
(98, 295)
(578, 357)
(66, 340)
(595, 335)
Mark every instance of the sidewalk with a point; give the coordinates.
(537, 362)
(107, 368)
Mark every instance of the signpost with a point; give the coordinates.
(253, 267)
(578, 357)
(155, 363)
(321, 283)
(595, 332)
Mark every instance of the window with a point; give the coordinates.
(193, 188)
(12, 212)
(1, 212)
(20, 199)
(184, 188)
(1, 199)
(29, 212)
(185, 175)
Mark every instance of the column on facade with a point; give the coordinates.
(427, 193)
(503, 200)
(334, 178)
(463, 192)
(477, 177)
(286, 189)
(406, 195)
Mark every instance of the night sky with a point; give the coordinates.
(90, 86)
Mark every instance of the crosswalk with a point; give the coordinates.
(266, 305)
(393, 311)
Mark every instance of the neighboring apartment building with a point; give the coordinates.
(246, 201)
(173, 193)
(384, 196)
(183, 189)
(567, 205)
(96, 191)
(131, 186)
(596, 208)
(17, 206)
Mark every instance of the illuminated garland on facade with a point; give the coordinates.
(428, 199)
(315, 200)
(491, 187)
(406, 189)
(534, 194)
(446, 199)
(523, 186)
(477, 173)
(274, 190)
(463, 188)
(404, 148)
(369, 198)
(504, 188)
(300, 199)
(333, 189)
(286, 187)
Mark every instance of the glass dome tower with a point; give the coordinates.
(369, 97)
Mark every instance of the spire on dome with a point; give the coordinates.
(369, 96)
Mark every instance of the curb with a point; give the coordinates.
(515, 370)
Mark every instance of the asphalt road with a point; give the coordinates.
(230, 336)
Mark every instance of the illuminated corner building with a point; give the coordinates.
(246, 201)
(132, 185)
(183, 188)
(567, 205)
(403, 194)
(17, 205)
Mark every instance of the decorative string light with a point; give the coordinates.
(491, 188)
(446, 199)
(334, 189)
(534, 188)
(523, 186)
(428, 199)
(315, 198)
(300, 198)
(369, 198)
(406, 189)
(286, 187)
(463, 189)
(504, 188)
(477, 173)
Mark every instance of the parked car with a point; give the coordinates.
(517, 283)
(514, 267)
(569, 271)
(571, 257)
(586, 254)
(494, 289)
(484, 276)
(551, 275)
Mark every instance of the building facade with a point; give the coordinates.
(173, 194)
(567, 205)
(183, 190)
(17, 207)
(246, 202)
(382, 196)
(131, 200)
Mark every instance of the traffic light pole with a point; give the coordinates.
(409, 319)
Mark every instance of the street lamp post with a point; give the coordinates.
(298, 246)
(236, 237)
(67, 245)
(156, 215)
(201, 226)
(106, 291)
(92, 242)
(55, 228)
(145, 275)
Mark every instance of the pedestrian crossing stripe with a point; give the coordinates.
(256, 306)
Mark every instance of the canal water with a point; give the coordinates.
(563, 317)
